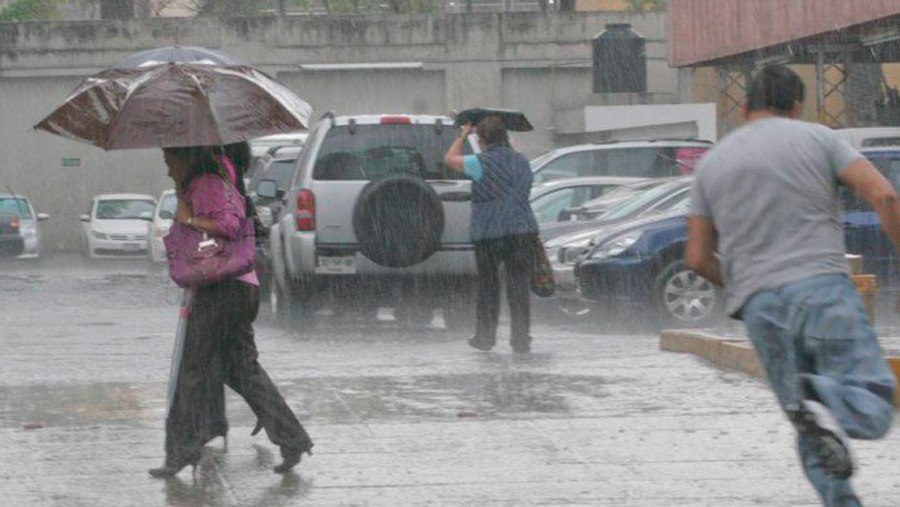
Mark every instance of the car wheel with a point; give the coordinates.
(416, 315)
(398, 221)
(274, 301)
(686, 298)
(289, 307)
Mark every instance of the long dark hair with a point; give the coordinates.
(198, 160)
(239, 154)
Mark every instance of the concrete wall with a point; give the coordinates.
(534, 62)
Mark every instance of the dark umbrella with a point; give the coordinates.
(158, 105)
(513, 120)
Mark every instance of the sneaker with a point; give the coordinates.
(480, 345)
(829, 442)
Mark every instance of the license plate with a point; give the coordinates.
(345, 265)
(131, 247)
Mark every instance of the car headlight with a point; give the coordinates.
(552, 253)
(616, 246)
(98, 235)
(570, 253)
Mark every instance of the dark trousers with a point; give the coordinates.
(219, 350)
(514, 252)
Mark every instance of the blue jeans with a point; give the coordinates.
(815, 342)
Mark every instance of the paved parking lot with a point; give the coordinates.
(400, 416)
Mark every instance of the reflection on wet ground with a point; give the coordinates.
(400, 415)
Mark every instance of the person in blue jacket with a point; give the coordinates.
(503, 228)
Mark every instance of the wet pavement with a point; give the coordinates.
(399, 416)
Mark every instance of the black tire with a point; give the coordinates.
(416, 315)
(398, 221)
(287, 308)
(280, 304)
(685, 298)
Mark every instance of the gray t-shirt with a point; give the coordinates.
(771, 190)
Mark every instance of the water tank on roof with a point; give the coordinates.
(619, 60)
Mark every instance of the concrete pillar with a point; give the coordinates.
(116, 9)
(863, 90)
(685, 85)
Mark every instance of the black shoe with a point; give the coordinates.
(290, 457)
(480, 345)
(173, 466)
(827, 438)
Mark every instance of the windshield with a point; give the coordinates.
(888, 164)
(638, 202)
(123, 209)
(168, 205)
(280, 171)
(18, 207)
(375, 151)
(621, 193)
(548, 207)
(541, 160)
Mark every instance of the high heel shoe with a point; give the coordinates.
(290, 457)
(172, 467)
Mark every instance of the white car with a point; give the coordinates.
(116, 225)
(160, 224)
(29, 222)
(641, 159)
(551, 200)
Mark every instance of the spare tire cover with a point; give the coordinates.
(398, 221)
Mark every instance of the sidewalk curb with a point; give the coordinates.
(732, 353)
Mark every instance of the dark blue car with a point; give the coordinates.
(645, 263)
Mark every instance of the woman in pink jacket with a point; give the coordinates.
(219, 347)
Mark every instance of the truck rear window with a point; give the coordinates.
(375, 151)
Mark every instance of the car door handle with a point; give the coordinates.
(456, 196)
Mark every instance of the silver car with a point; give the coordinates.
(550, 201)
(159, 224)
(29, 222)
(373, 218)
(643, 159)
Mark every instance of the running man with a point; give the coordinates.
(766, 224)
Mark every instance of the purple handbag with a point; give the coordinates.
(197, 258)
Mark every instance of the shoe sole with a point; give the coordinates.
(830, 443)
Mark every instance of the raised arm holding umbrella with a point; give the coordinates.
(191, 102)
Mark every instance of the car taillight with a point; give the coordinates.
(396, 120)
(306, 211)
(14, 223)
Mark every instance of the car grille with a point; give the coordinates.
(119, 253)
(123, 237)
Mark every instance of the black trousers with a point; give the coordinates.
(219, 350)
(514, 252)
